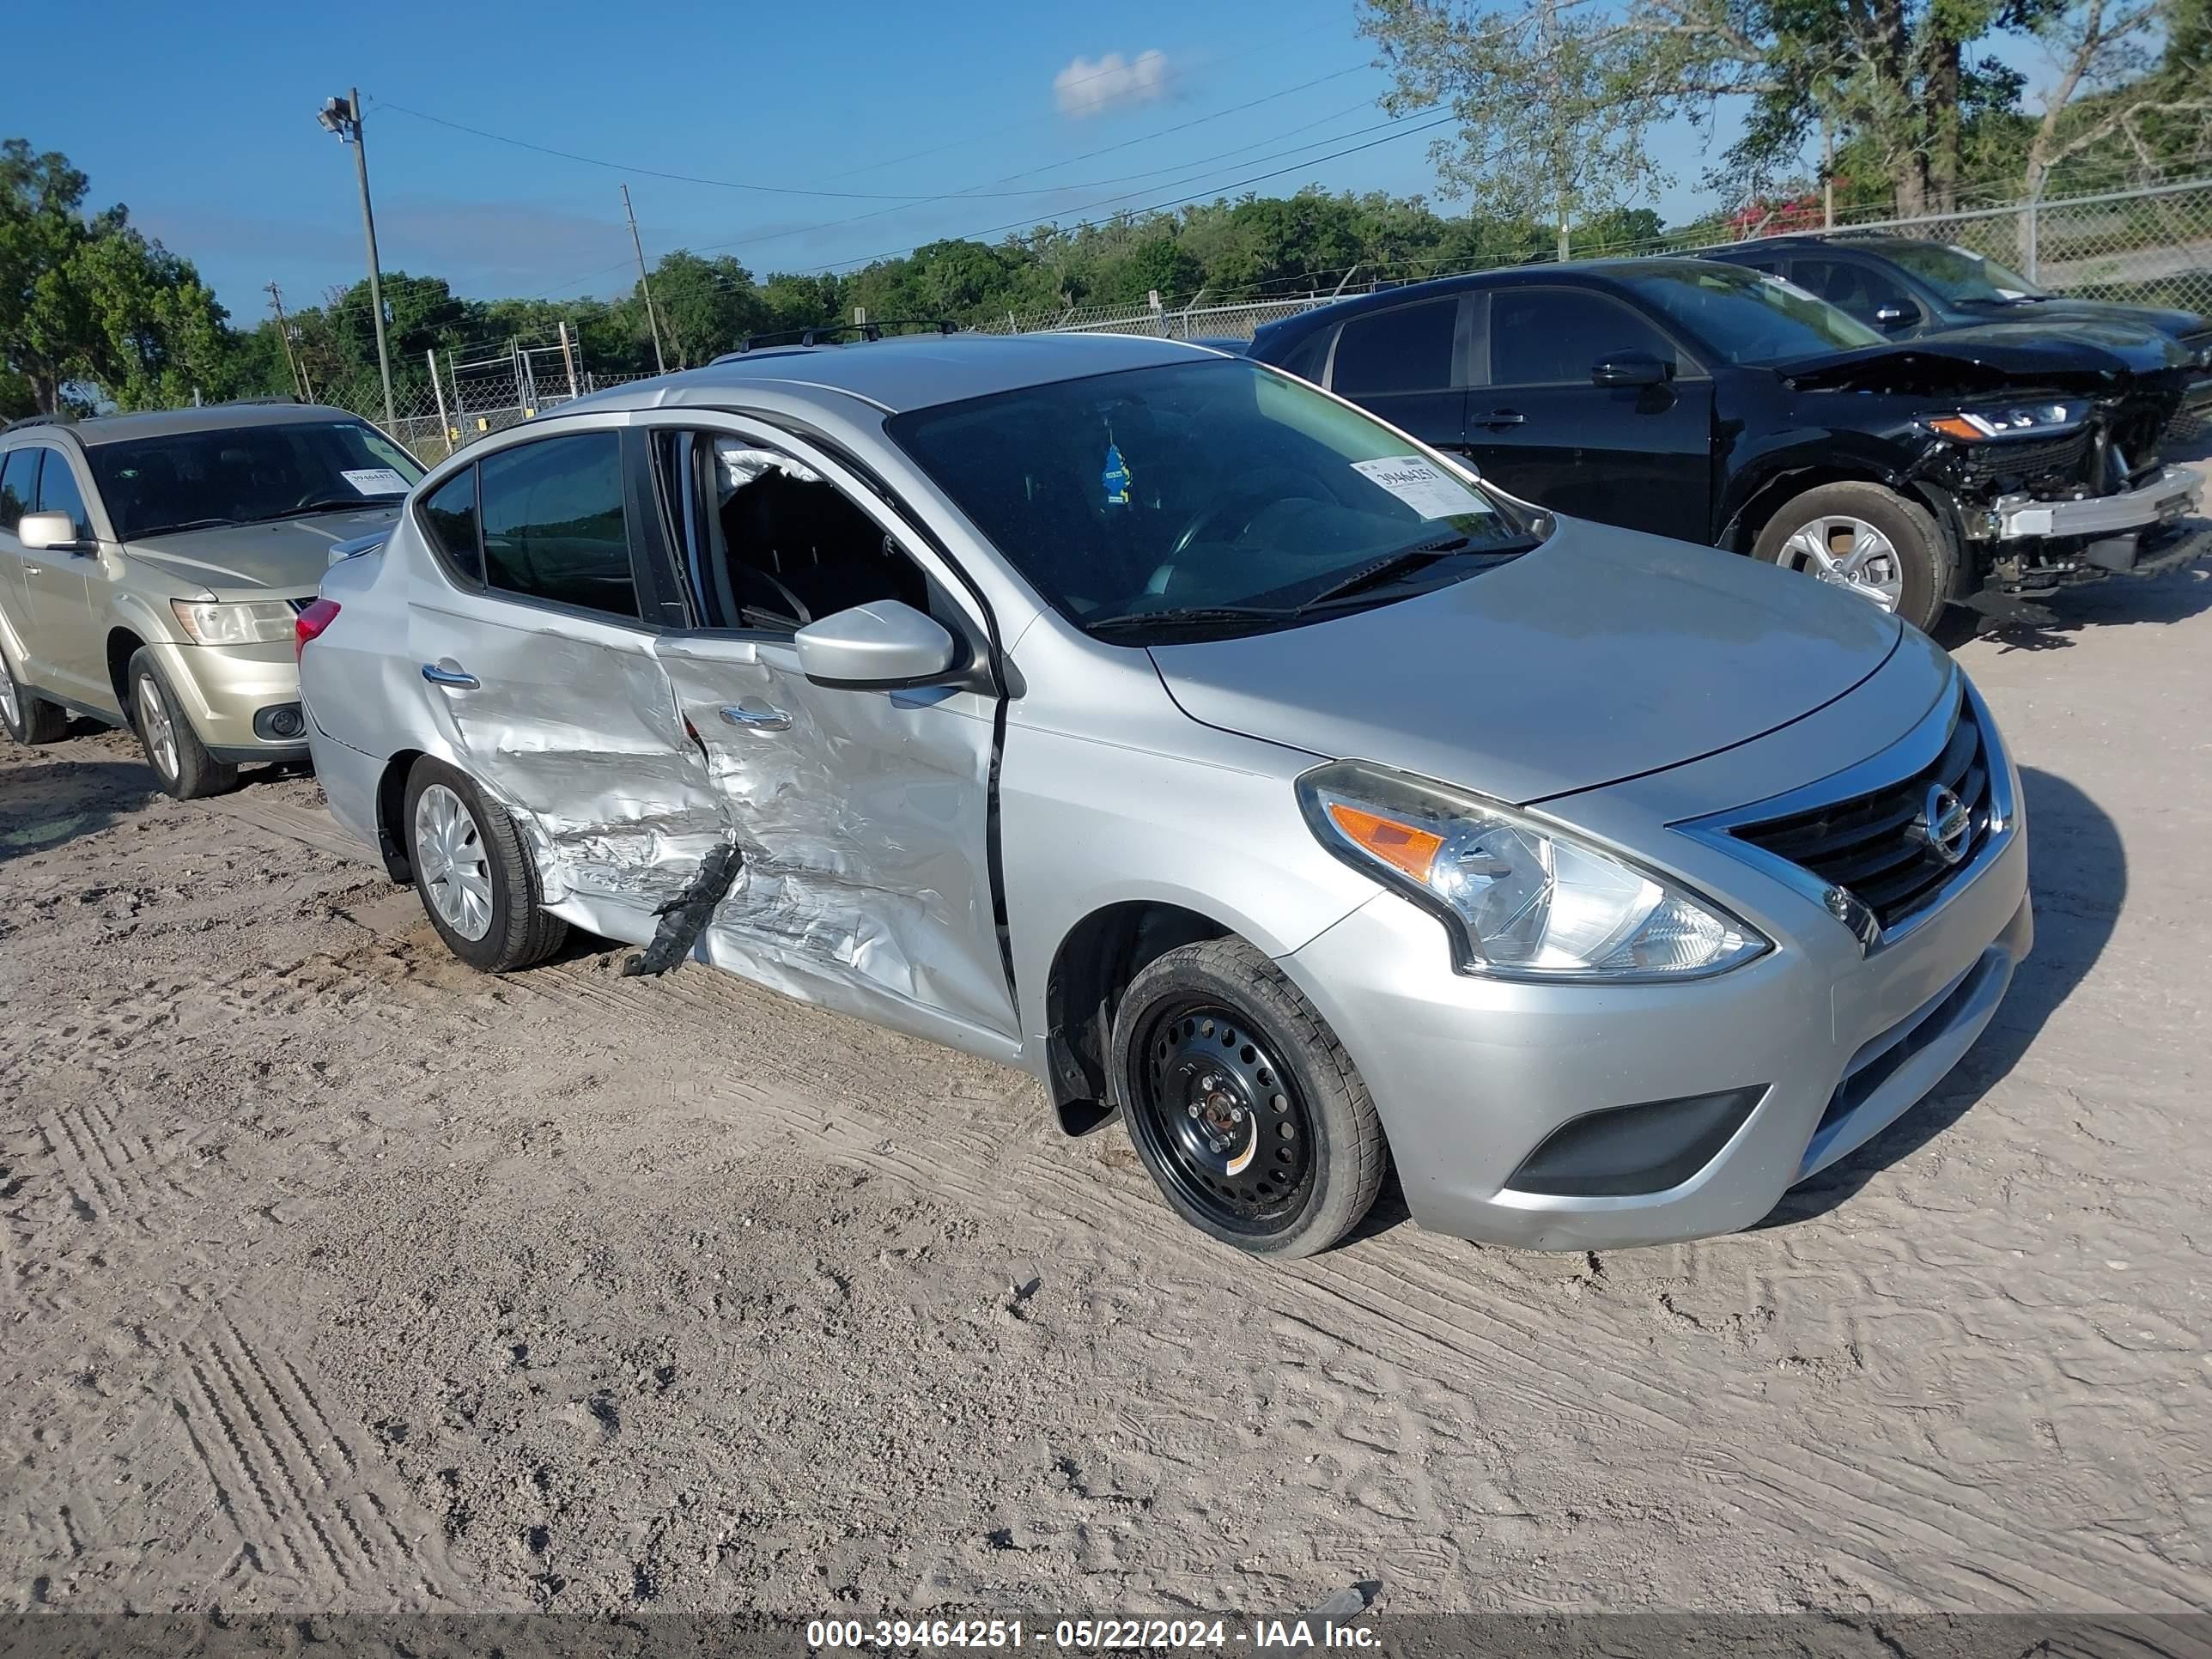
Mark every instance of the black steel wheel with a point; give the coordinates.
(1242, 1105)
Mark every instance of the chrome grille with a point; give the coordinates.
(1878, 845)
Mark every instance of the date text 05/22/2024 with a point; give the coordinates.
(1083, 1635)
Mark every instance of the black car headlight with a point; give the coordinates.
(1974, 426)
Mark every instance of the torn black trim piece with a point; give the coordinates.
(684, 917)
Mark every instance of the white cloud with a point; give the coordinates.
(1084, 87)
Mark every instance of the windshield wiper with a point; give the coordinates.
(178, 528)
(1193, 616)
(1408, 559)
(329, 504)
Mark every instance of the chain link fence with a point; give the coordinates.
(2150, 245)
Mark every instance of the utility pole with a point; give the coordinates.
(569, 357)
(1827, 172)
(342, 116)
(300, 382)
(644, 287)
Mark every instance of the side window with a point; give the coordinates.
(449, 514)
(1772, 267)
(551, 515)
(1552, 335)
(1406, 350)
(19, 483)
(57, 493)
(1859, 290)
(771, 545)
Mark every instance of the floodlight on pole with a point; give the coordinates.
(341, 117)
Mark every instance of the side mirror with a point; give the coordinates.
(879, 647)
(1632, 368)
(1892, 316)
(49, 533)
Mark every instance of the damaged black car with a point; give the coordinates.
(1988, 467)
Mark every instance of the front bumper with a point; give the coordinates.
(224, 687)
(1471, 1075)
(2175, 493)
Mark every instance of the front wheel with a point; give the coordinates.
(1869, 541)
(1244, 1106)
(172, 749)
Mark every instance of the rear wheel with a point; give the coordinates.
(1869, 541)
(477, 882)
(172, 749)
(30, 720)
(1244, 1106)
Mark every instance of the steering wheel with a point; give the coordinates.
(1249, 494)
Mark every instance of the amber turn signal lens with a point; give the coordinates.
(1402, 846)
(1958, 426)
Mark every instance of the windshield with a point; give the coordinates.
(1748, 316)
(1201, 487)
(246, 474)
(1963, 277)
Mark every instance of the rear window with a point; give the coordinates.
(19, 481)
(1408, 349)
(450, 515)
(552, 522)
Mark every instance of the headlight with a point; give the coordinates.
(1972, 426)
(257, 623)
(1522, 899)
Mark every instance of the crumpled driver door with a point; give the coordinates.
(864, 820)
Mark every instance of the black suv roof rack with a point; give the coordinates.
(39, 420)
(827, 333)
(244, 402)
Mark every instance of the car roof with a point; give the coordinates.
(903, 371)
(1846, 241)
(96, 429)
(1603, 271)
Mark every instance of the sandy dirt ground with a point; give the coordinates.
(333, 1275)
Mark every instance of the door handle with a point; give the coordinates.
(1502, 418)
(449, 672)
(756, 717)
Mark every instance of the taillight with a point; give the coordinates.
(310, 624)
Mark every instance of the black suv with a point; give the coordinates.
(1907, 288)
(1718, 405)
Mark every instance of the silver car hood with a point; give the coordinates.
(282, 556)
(1602, 655)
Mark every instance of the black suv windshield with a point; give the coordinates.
(1747, 316)
(1963, 278)
(246, 474)
(1148, 503)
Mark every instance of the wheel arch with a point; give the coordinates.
(1097, 959)
(390, 807)
(1782, 484)
(121, 645)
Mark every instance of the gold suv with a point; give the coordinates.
(151, 566)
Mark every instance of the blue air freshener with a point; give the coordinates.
(1116, 476)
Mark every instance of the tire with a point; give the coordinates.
(174, 749)
(30, 720)
(1924, 562)
(1213, 1049)
(515, 929)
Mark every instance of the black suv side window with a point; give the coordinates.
(771, 543)
(552, 522)
(19, 483)
(57, 493)
(1554, 336)
(449, 514)
(1406, 349)
(1859, 290)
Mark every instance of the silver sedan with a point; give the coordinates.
(1148, 718)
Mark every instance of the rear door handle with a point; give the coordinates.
(756, 717)
(1502, 418)
(447, 671)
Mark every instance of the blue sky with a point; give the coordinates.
(205, 126)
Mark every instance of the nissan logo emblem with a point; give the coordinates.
(1944, 825)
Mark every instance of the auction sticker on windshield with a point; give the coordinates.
(375, 480)
(1421, 486)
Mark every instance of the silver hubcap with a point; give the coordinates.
(449, 852)
(7, 705)
(1850, 553)
(158, 729)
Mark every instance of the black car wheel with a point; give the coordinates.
(1244, 1106)
(172, 749)
(1868, 540)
